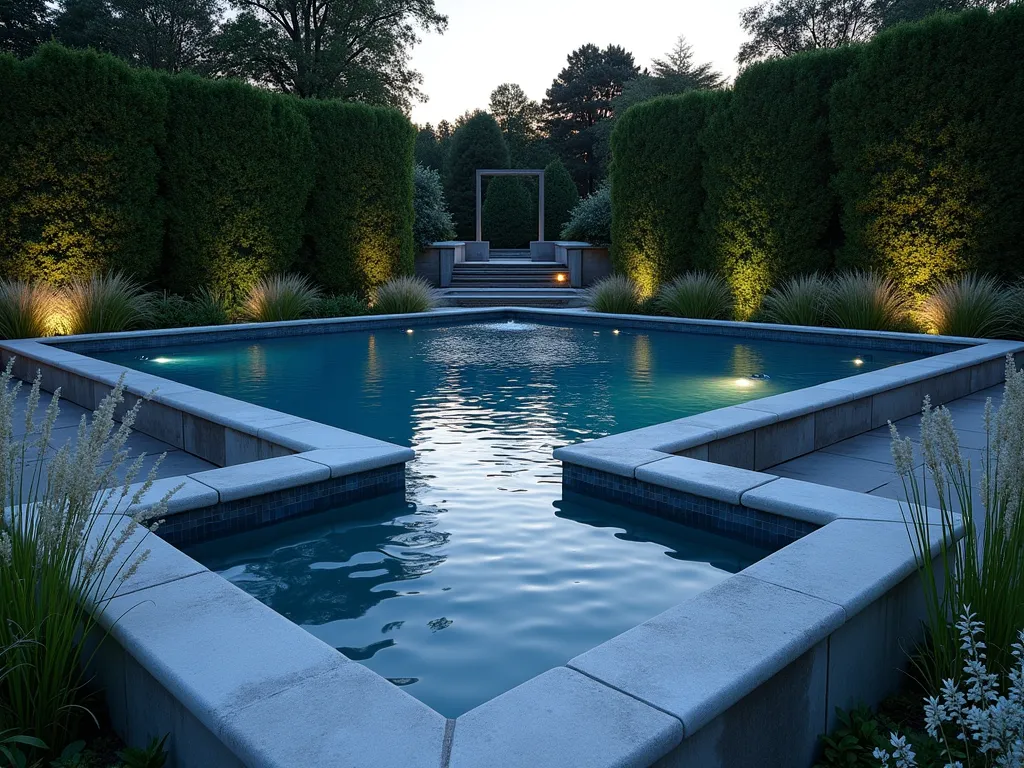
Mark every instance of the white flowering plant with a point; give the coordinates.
(975, 724)
(985, 568)
(72, 532)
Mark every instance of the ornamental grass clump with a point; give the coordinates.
(616, 294)
(975, 305)
(402, 295)
(68, 541)
(700, 295)
(868, 302)
(280, 297)
(105, 304)
(984, 569)
(800, 300)
(28, 310)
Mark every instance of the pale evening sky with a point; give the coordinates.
(490, 42)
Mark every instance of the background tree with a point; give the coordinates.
(509, 220)
(24, 24)
(678, 73)
(899, 11)
(477, 143)
(779, 28)
(579, 98)
(520, 119)
(350, 49)
(428, 149)
(431, 220)
(560, 197)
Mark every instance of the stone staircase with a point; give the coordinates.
(509, 274)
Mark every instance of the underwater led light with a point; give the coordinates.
(408, 330)
(744, 382)
(858, 361)
(162, 360)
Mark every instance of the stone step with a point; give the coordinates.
(512, 297)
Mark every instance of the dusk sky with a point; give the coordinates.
(527, 41)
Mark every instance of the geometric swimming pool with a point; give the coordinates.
(486, 574)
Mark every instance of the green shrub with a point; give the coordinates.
(616, 294)
(591, 220)
(403, 295)
(80, 135)
(700, 295)
(975, 305)
(432, 222)
(926, 135)
(238, 169)
(867, 301)
(359, 216)
(509, 220)
(477, 143)
(60, 560)
(656, 187)
(798, 301)
(345, 305)
(560, 198)
(770, 211)
(280, 297)
(1015, 301)
(27, 310)
(172, 311)
(115, 302)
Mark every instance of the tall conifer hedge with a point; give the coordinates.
(657, 194)
(185, 182)
(904, 155)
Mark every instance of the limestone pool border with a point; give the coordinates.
(746, 673)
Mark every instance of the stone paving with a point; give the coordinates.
(864, 463)
(176, 462)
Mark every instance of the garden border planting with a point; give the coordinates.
(746, 673)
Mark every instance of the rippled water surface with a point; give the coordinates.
(487, 573)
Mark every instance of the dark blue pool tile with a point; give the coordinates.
(198, 525)
(750, 526)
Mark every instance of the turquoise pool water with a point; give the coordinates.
(487, 573)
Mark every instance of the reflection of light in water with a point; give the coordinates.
(162, 360)
(256, 361)
(642, 357)
(744, 383)
(746, 360)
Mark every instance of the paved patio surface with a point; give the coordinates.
(177, 462)
(865, 464)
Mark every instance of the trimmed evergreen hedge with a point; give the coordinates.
(657, 195)
(184, 182)
(770, 209)
(80, 135)
(358, 221)
(238, 168)
(904, 155)
(929, 136)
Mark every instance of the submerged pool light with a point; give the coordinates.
(408, 330)
(162, 360)
(616, 331)
(744, 382)
(858, 361)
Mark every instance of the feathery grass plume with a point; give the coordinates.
(975, 305)
(70, 540)
(105, 304)
(280, 297)
(402, 295)
(800, 300)
(28, 310)
(984, 570)
(701, 295)
(867, 301)
(615, 294)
